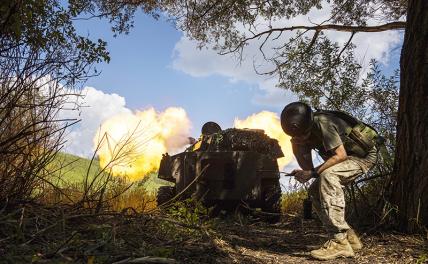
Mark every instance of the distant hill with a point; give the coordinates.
(73, 169)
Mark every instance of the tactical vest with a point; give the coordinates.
(360, 138)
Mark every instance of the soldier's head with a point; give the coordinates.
(210, 128)
(297, 119)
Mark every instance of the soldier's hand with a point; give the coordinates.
(302, 176)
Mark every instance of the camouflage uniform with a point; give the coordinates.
(328, 133)
(327, 194)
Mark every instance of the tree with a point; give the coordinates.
(42, 62)
(411, 166)
(230, 26)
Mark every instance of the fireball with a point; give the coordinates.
(270, 123)
(131, 145)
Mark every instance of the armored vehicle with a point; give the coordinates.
(230, 169)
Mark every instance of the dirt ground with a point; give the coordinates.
(289, 242)
(158, 239)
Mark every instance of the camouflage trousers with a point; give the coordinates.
(326, 192)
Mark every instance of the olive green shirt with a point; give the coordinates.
(327, 133)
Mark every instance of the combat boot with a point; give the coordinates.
(353, 240)
(337, 247)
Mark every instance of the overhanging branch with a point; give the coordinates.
(318, 28)
(342, 28)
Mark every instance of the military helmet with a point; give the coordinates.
(297, 119)
(210, 128)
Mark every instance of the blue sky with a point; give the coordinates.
(157, 66)
(141, 70)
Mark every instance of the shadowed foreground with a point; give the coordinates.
(291, 242)
(57, 236)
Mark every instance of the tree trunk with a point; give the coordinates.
(410, 180)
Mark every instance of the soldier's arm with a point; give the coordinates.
(303, 156)
(332, 143)
(339, 156)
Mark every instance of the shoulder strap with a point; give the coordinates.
(342, 115)
(352, 121)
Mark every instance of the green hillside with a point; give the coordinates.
(71, 169)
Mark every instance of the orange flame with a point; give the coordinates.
(132, 144)
(270, 123)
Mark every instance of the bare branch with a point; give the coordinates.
(343, 28)
(345, 46)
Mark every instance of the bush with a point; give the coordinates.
(292, 202)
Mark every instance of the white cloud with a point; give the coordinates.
(96, 107)
(206, 62)
(376, 46)
(270, 95)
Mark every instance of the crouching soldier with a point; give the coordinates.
(348, 148)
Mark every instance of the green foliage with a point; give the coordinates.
(383, 94)
(46, 26)
(43, 61)
(325, 75)
(329, 77)
(230, 25)
(189, 211)
(188, 218)
(422, 259)
(292, 202)
(119, 13)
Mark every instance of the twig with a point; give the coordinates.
(157, 260)
(60, 248)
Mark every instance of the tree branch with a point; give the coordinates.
(342, 28)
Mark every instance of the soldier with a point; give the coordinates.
(210, 128)
(207, 129)
(348, 148)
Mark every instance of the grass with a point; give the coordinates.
(71, 169)
(72, 183)
(292, 202)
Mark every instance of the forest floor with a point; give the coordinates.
(291, 241)
(130, 238)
